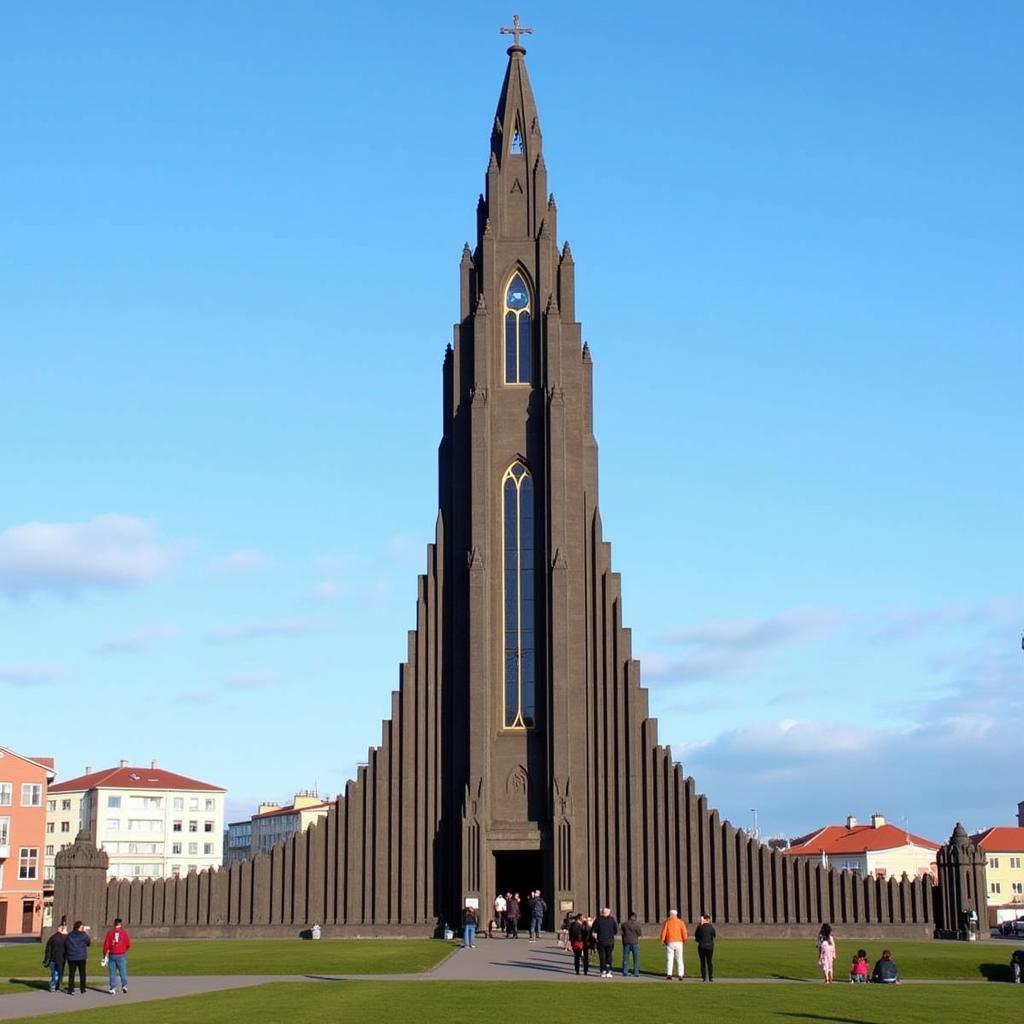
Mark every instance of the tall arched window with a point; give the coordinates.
(518, 323)
(518, 580)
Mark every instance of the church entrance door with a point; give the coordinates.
(520, 871)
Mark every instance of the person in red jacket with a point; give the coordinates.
(116, 944)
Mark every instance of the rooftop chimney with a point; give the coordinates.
(851, 821)
(154, 764)
(877, 820)
(88, 769)
(124, 763)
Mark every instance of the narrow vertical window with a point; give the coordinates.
(518, 580)
(518, 346)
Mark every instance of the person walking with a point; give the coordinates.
(54, 955)
(499, 911)
(469, 925)
(631, 944)
(579, 936)
(537, 911)
(704, 935)
(116, 944)
(673, 935)
(512, 916)
(76, 949)
(826, 952)
(606, 928)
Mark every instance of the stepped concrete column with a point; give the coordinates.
(80, 883)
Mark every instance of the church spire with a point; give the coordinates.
(516, 126)
(516, 175)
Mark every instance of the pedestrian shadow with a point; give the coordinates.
(36, 983)
(996, 972)
(790, 977)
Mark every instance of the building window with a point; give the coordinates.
(176, 849)
(176, 870)
(147, 802)
(1018, 888)
(1015, 863)
(193, 803)
(5, 833)
(994, 888)
(208, 849)
(51, 805)
(49, 851)
(65, 826)
(65, 805)
(113, 802)
(176, 826)
(113, 824)
(6, 792)
(28, 863)
(179, 803)
(207, 826)
(518, 573)
(193, 849)
(31, 795)
(211, 804)
(51, 826)
(993, 862)
(193, 826)
(518, 324)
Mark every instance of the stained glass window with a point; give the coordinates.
(518, 334)
(520, 618)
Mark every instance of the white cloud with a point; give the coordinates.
(29, 675)
(236, 563)
(252, 680)
(728, 647)
(139, 640)
(107, 551)
(268, 628)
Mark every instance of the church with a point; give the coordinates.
(519, 753)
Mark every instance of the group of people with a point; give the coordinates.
(509, 910)
(885, 972)
(585, 936)
(71, 948)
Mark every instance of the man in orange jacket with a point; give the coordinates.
(673, 935)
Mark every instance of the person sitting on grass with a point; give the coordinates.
(1017, 964)
(886, 972)
(859, 967)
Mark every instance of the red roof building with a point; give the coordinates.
(152, 822)
(880, 850)
(1003, 846)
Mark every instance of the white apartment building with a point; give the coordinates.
(151, 822)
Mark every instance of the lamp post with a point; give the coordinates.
(753, 811)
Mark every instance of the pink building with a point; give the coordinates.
(23, 785)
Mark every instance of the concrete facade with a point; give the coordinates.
(519, 752)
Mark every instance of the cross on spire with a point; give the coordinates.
(515, 31)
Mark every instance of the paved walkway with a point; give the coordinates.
(489, 960)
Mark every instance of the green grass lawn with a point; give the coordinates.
(739, 958)
(256, 956)
(377, 1002)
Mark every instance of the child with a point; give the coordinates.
(859, 967)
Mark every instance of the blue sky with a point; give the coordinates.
(229, 241)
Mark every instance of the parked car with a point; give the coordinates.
(1012, 927)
